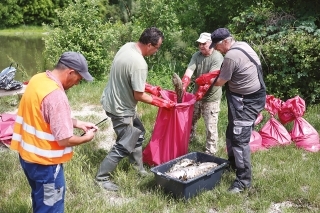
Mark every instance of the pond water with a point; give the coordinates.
(26, 52)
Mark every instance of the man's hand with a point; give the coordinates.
(85, 126)
(207, 77)
(154, 90)
(201, 91)
(185, 82)
(160, 102)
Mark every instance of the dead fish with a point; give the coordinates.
(181, 164)
(190, 172)
(178, 86)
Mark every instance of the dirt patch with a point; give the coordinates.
(106, 134)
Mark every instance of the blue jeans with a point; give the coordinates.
(242, 113)
(47, 186)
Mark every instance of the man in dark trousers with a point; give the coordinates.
(246, 96)
(126, 86)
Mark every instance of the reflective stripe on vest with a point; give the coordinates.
(32, 136)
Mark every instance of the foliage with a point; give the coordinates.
(178, 45)
(30, 12)
(289, 49)
(79, 28)
(10, 13)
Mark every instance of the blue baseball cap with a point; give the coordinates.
(78, 62)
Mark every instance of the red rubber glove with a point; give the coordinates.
(202, 91)
(154, 90)
(185, 82)
(206, 78)
(160, 102)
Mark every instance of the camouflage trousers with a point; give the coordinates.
(209, 112)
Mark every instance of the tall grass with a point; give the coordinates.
(280, 175)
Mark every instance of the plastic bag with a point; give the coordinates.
(170, 136)
(6, 128)
(302, 133)
(273, 133)
(292, 108)
(7, 81)
(256, 142)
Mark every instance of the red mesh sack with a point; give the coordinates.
(302, 133)
(256, 142)
(292, 108)
(6, 128)
(273, 133)
(170, 136)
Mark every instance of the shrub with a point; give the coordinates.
(289, 50)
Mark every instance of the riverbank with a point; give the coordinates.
(29, 31)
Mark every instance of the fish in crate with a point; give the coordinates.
(186, 169)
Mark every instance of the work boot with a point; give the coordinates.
(103, 175)
(135, 158)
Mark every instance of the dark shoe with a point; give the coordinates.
(235, 190)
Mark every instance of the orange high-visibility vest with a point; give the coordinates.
(32, 136)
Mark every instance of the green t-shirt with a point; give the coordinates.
(201, 64)
(128, 73)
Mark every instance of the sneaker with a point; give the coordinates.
(235, 190)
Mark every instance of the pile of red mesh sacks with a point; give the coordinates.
(273, 133)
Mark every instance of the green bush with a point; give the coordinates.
(288, 47)
(10, 13)
(79, 28)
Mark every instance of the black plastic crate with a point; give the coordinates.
(189, 188)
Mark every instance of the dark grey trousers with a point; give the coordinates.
(242, 113)
(130, 133)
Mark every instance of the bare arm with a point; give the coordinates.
(142, 96)
(219, 82)
(188, 73)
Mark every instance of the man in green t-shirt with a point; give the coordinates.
(204, 61)
(126, 86)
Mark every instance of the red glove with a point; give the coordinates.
(154, 90)
(202, 91)
(206, 78)
(185, 82)
(160, 102)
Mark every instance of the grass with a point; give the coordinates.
(280, 174)
(24, 31)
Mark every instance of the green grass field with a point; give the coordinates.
(285, 179)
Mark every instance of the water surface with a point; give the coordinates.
(25, 51)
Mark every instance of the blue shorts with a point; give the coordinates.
(47, 186)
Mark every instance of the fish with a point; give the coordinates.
(193, 171)
(181, 164)
(178, 87)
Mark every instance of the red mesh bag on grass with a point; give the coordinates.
(170, 136)
(255, 142)
(292, 108)
(302, 133)
(6, 128)
(273, 133)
